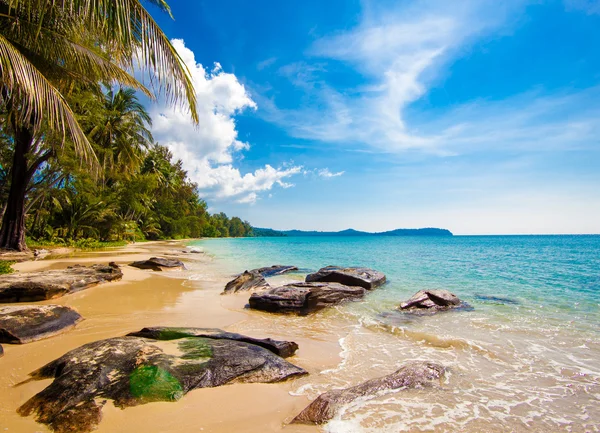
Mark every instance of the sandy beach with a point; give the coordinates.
(146, 298)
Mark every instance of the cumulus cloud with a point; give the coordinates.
(207, 150)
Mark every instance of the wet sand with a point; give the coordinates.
(146, 298)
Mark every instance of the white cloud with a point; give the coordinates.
(399, 52)
(207, 150)
(324, 172)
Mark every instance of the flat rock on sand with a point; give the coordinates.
(362, 277)
(132, 370)
(431, 301)
(415, 374)
(159, 264)
(26, 323)
(43, 285)
(303, 298)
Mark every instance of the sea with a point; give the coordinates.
(524, 357)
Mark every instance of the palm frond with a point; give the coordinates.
(39, 101)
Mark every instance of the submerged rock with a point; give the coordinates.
(271, 271)
(159, 264)
(26, 323)
(134, 370)
(432, 301)
(415, 374)
(304, 298)
(249, 280)
(362, 277)
(43, 285)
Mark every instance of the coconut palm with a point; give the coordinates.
(46, 47)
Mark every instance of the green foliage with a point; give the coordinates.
(6, 267)
(140, 194)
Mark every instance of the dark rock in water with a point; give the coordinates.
(304, 298)
(39, 286)
(134, 370)
(432, 301)
(26, 323)
(415, 374)
(284, 349)
(362, 277)
(159, 264)
(246, 281)
(271, 271)
(496, 300)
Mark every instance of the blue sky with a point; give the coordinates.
(476, 116)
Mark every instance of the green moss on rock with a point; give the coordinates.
(195, 348)
(152, 383)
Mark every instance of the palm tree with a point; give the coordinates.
(46, 46)
(123, 133)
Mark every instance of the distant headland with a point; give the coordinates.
(428, 231)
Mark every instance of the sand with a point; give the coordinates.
(146, 298)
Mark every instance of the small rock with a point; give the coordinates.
(304, 298)
(43, 285)
(415, 374)
(40, 254)
(1, 351)
(362, 277)
(159, 264)
(271, 271)
(246, 281)
(431, 300)
(26, 323)
(135, 370)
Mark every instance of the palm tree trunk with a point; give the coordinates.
(12, 233)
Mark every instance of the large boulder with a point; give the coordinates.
(415, 374)
(26, 323)
(43, 285)
(249, 280)
(303, 298)
(431, 301)
(135, 370)
(362, 277)
(271, 271)
(159, 264)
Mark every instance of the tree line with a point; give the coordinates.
(77, 159)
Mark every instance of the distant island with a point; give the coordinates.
(428, 231)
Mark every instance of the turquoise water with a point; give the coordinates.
(526, 358)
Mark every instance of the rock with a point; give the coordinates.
(40, 254)
(362, 277)
(159, 264)
(26, 323)
(271, 271)
(304, 298)
(1, 351)
(285, 349)
(431, 300)
(415, 374)
(246, 281)
(195, 250)
(39, 286)
(134, 370)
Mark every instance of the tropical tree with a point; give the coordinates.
(49, 46)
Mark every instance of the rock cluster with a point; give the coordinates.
(254, 279)
(363, 277)
(43, 285)
(431, 301)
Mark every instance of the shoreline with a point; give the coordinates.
(146, 298)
